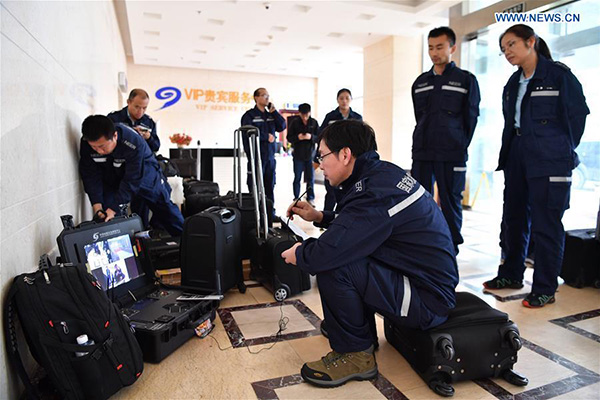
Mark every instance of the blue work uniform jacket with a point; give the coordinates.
(553, 114)
(267, 123)
(336, 115)
(130, 170)
(446, 109)
(123, 117)
(385, 215)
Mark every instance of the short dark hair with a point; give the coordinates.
(304, 108)
(138, 92)
(443, 30)
(351, 133)
(95, 127)
(525, 32)
(257, 91)
(342, 91)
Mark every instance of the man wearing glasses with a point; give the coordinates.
(388, 250)
(267, 119)
(117, 167)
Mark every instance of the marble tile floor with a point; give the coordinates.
(242, 359)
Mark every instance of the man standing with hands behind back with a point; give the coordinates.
(265, 117)
(302, 134)
(446, 102)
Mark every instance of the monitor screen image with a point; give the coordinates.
(112, 261)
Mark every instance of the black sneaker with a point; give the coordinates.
(538, 300)
(502, 283)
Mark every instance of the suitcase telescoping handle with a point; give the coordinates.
(258, 186)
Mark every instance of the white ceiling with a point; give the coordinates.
(304, 38)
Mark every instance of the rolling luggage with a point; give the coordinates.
(210, 251)
(194, 186)
(56, 306)
(477, 341)
(244, 202)
(199, 195)
(581, 261)
(267, 265)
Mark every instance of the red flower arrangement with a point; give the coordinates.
(180, 139)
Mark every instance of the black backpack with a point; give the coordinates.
(167, 167)
(55, 305)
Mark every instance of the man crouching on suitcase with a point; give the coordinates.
(387, 249)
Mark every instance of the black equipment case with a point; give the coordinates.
(160, 252)
(199, 195)
(161, 322)
(581, 261)
(55, 305)
(477, 341)
(267, 265)
(211, 251)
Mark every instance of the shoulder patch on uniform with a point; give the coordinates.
(129, 144)
(561, 65)
(407, 183)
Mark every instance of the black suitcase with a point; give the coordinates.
(210, 251)
(477, 341)
(581, 261)
(160, 253)
(267, 265)
(269, 268)
(56, 305)
(197, 202)
(194, 186)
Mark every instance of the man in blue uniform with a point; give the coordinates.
(267, 119)
(387, 250)
(117, 166)
(446, 102)
(134, 116)
(302, 134)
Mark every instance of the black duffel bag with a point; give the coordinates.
(56, 305)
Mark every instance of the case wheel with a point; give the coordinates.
(514, 378)
(241, 287)
(442, 388)
(446, 348)
(514, 340)
(282, 292)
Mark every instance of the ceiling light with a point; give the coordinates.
(152, 33)
(314, 47)
(152, 59)
(208, 38)
(262, 43)
(219, 22)
(151, 47)
(240, 66)
(335, 35)
(250, 55)
(279, 28)
(196, 62)
(200, 51)
(421, 24)
(301, 8)
(256, 50)
(296, 59)
(366, 17)
(152, 15)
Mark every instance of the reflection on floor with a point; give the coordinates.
(244, 358)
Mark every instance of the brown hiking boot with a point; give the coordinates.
(335, 369)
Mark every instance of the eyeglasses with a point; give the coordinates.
(320, 158)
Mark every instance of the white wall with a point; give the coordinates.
(59, 63)
(214, 127)
(349, 76)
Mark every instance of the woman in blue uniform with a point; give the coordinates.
(544, 118)
(344, 98)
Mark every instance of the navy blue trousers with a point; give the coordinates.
(450, 177)
(353, 293)
(305, 167)
(165, 214)
(533, 206)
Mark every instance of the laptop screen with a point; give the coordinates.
(112, 261)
